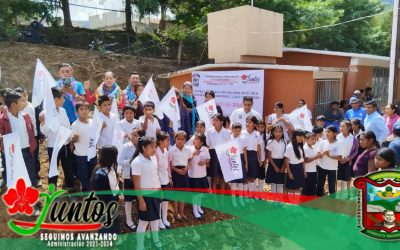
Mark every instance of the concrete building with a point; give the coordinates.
(116, 21)
(290, 74)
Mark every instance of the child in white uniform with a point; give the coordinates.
(198, 172)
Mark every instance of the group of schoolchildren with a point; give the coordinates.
(287, 159)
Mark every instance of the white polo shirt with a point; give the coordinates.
(215, 138)
(84, 131)
(310, 152)
(179, 157)
(163, 166)
(239, 115)
(128, 126)
(346, 144)
(18, 125)
(106, 134)
(125, 157)
(195, 170)
(252, 140)
(152, 126)
(334, 150)
(292, 156)
(277, 148)
(147, 170)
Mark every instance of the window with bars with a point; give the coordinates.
(327, 91)
(380, 83)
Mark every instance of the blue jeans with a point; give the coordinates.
(84, 170)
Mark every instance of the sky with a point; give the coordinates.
(82, 14)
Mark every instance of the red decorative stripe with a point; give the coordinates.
(70, 227)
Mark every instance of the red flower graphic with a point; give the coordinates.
(233, 150)
(244, 77)
(21, 199)
(210, 107)
(173, 100)
(302, 115)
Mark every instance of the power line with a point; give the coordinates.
(95, 8)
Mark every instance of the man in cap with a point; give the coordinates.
(356, 111)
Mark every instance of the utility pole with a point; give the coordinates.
(394, 55)
(252, 3)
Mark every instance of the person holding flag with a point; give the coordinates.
(72, 89)
(64, 154)
(13, 120)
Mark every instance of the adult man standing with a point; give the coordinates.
(374, 122)
(395, 143)
(72, 89)
(129, 92)
(240, 115)
(356, 112)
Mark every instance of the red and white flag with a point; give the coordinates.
(301, 119)
(62, 136)
(206, 112)
(170, 107)
(229, 160)
(15, 163)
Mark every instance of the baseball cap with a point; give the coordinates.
(321, 118)
(354, 99)
(357, 92)
(396, 128)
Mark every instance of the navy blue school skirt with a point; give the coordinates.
(344, 171)
(198, 182)
(215, 169)
(261, 172)
(179, 181)
(152, 209)
(128, 186)
(272, 176)
(252, 164)
(298, 175)
(242, 180)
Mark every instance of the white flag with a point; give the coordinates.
(229, 160)
(118, 133)
(41, 79)
(62, 136)
(301, 119)
(149, 93)
(15, 163)
(97, 124)
(206, 112)
(51, 114)
(170, 107)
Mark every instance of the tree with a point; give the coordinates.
(128, 17)
(66, 13)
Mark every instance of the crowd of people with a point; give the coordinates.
(344, 143)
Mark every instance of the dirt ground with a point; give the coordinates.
(17, 62)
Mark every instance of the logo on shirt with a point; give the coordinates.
(379, 205)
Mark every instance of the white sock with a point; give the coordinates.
(209, 179)
(199, 204)
(234, 187)
(154, 231)
(164, 213)
(128, 213)
(279, 188)
(273, 188)
(140, 231)
(246, 192)
(240, 187)
(196, 212)
(343, 185)
(261, 185)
